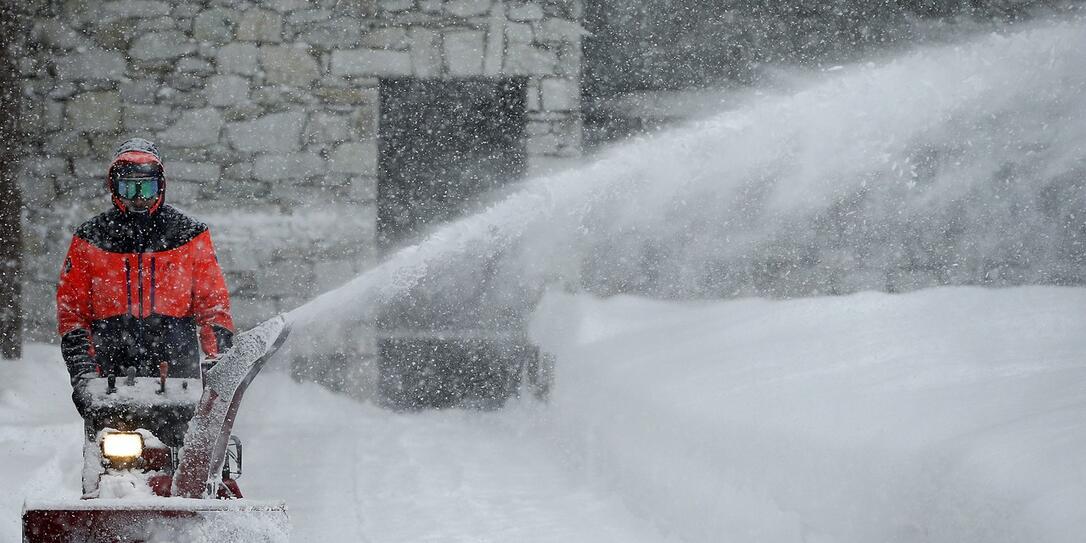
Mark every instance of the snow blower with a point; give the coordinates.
(160, 463)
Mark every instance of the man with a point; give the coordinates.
(141, 284)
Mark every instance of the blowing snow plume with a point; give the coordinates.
(953, 165)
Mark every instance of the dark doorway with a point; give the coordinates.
(442, 145)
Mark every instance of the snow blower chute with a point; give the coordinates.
(159, 463)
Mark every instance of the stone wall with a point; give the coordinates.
(264, 112)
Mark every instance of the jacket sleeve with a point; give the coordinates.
(74, 311)
(211, 300)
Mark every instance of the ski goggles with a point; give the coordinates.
(131, 188)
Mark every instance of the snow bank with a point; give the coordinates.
(943, 415)
(953, 414)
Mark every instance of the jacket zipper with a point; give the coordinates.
(152, 310)
(128, 283)
(139, 279)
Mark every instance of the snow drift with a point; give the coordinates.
(945, 415)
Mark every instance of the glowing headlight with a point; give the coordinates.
(122, 445)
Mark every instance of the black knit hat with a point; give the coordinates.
(137, 144)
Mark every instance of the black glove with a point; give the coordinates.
(75, 346)
(80, 396)
(223, 338)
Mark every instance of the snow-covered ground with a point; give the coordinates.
(954, 414)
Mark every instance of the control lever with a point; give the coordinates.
(163, 371)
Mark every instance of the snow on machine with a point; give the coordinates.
(160, 463)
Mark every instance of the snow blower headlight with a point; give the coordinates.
(122, 446)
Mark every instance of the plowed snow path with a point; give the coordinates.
(948, 415)
(353, 472)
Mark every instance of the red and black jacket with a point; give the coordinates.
(137, 290)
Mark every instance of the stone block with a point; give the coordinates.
(60, 90)
(193, 99)
(207, 50)
(467, 8)
(28, 67)
(554, 117)
(167, 45)
(193, 171)
(227, 90)
(292, 166)
(54, 115)
(309, 16)
(248, 190)
(366, 119)
(216, 25)
(56, 34)
(431, 6)
(91, 65)
(139, 91)
(464, 52)
(273, 133)
(345, 96)
(183, 193)
(342, 32)
(560, 31)
(538, 127)
(570, 60)
(519, 33)
(542, 144)
(240, 282)
(526, 59)
(35, 185)
(95, 112)
(32, 116)
(561, 94)
(289, 65)
(393, 37)
(285, 6)
(260, 25)
(285, 279)
(68, 143)
(49, 167)
(146, 118)
(355, 158)
(195, 128)
(163, 23)
(185, 11)
(251, 312)
(329, 275)
(370, 62)
(114, 35)
(238, 58)
(326, 128)
(194, 66)
(241, 170)
(525, 11)
(135, 8)
(394, 6)
(495, 45)
(356, 8)
(564, 9)
(425, 52)
(360, 189)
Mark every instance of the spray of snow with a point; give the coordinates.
(953, 163)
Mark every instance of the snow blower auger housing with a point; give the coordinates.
(159, 461)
